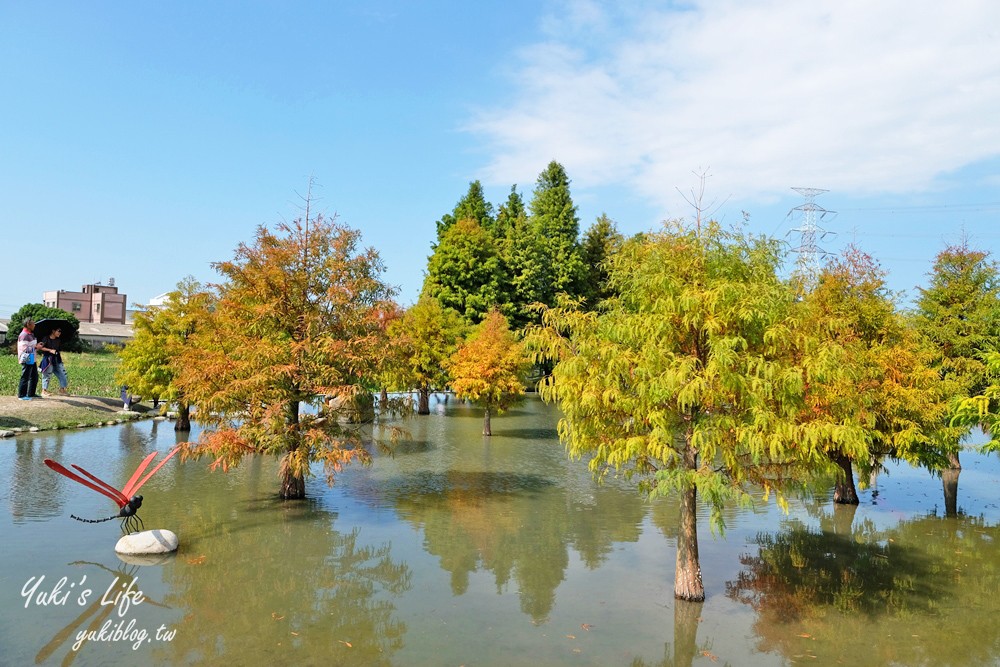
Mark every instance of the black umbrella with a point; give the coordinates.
(45, 327)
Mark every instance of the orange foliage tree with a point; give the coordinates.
(299, 321)
(489, 369)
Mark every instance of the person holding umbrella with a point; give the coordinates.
(26, 355)
(52, 362)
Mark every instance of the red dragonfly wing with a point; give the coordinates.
(129, 489)
(97, 480)
(101, 487)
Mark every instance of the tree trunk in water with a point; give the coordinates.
(383, 398)
(486, 423)
(845, 492)
(424, 401)
(183, 422)
(293, 486)
(687, 582)
(949, 479)
(293, 482)
(686, 618)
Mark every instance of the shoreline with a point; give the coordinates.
(66, 412)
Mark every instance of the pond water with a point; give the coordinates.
(464, 550)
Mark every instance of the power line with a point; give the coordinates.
(986, 206)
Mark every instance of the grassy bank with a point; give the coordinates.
(65, 412)
(89, 373)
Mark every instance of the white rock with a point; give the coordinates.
(148, 542)
(6, 434)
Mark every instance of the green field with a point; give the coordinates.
(89, 373)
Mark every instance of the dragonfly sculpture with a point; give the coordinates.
(128, 502)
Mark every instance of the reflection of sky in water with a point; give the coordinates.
(508, 548)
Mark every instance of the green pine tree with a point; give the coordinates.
(557, 228)
(600, 242)
(473, 206)
(465, 272)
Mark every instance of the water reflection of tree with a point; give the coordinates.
(133, 439)
(519, 527)
(926, 592)
(35, 491)
(275, 584)
(685, 648)
(92, 618)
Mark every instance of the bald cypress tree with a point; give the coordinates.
(882, 387)
(152, 360)
(686, 381)
(422, 340)
(958, 315)
(298, 321)
(489, 368)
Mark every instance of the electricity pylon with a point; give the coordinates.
(807, 264)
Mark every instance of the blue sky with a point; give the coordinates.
(143, 141)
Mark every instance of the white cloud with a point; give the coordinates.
(859, 96)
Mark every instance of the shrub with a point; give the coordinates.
(37, 311)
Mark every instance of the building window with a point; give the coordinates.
(76, 307)
(97, 307)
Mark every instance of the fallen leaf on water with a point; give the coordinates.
(347, 644)
(576, 650)
(197, 560)
(570, 636)
(275, 617)
(805, 635)
(710, 656)
(586, 626)
(295, 634)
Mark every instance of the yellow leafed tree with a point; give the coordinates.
(489, 369)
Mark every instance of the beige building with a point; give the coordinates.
(95, 303)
